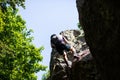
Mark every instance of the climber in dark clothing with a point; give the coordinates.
(60, 43)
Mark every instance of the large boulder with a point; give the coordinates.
(100, 20)
(85, 69)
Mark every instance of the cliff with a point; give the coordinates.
(85, 69)
(100, 20)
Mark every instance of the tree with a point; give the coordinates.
(19, 58)
(6, 54)
(12, 3)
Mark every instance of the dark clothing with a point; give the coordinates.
(60, 45)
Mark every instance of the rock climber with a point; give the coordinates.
(60, 43)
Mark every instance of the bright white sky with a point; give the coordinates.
(46, 17)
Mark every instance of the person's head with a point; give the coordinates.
(56, 38)
(53, 36)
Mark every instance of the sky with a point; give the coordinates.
(46, 17)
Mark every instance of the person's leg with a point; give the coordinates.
(73, 50)
(76, 56)
(65, 58)
(68, 47)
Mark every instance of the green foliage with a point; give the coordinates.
(81, 29)
(79, 26)
(6, 54)
(19, 58)
(46, 75)
(12, 3)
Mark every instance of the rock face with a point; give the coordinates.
(100, 20)
(85, 69)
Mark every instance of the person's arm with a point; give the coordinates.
(65, 40)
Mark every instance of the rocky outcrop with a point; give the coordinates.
(100, 20)
(85, 69)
